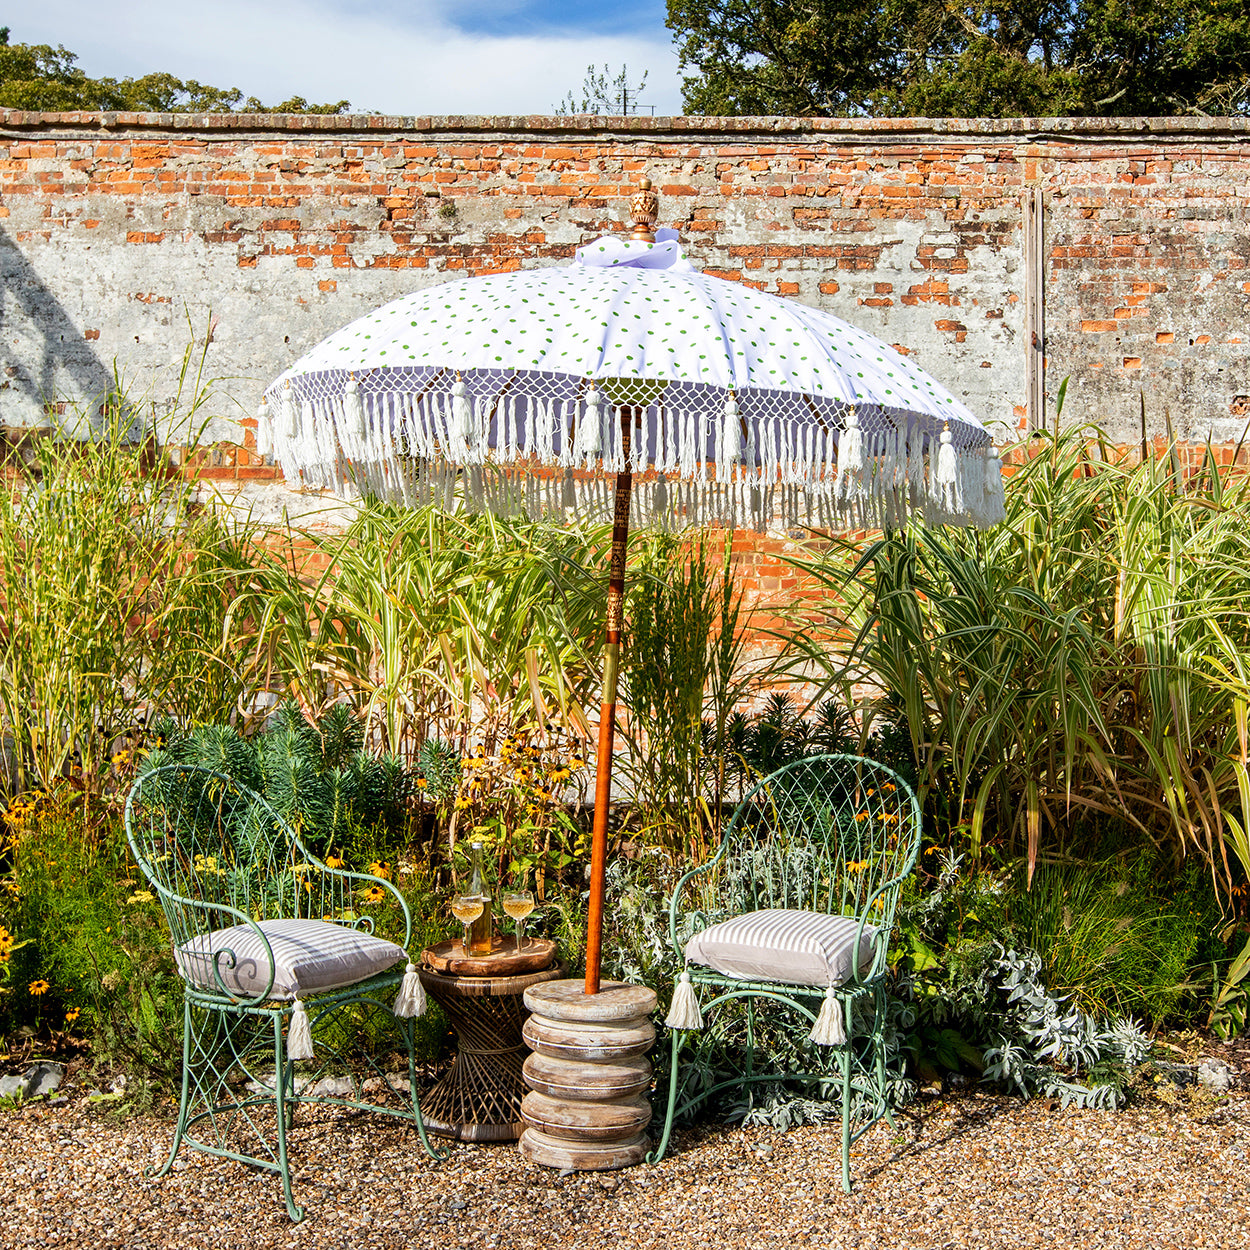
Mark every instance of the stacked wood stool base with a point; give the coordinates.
(588, 1076)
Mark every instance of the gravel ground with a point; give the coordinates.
(973, 1170)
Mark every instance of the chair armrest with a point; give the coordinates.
(674, 904)
(218, 957)
(882, 939)
(365, 880)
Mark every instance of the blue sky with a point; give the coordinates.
(392, 56)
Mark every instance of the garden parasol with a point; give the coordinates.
(628, 380)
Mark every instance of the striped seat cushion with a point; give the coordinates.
(308, 955)
(801, 947)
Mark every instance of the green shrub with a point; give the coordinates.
(1087, 660)
(96, 937)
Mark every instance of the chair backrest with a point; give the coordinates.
(828, 833)
(214, 850)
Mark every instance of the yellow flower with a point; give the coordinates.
(561, 774)
(422, 784)
(374, 894)
(856, 865)
(72, 1014)
(461, 804)
(889, 787)
(38, 987)
(334, 861)
(380, 868)
(141, 896)
(523, 774)
(861, 815)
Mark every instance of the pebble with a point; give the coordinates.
(989, 1171)
(1215, 1074)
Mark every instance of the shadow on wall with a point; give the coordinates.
(35, 327)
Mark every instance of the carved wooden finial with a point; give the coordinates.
(644, 208)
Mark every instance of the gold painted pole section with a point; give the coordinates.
(607, 713)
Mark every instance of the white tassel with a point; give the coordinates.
(353, 410)
(684, 1012)
(993, 506)
(309, 452)
(410, 1001)
(730, 440)
(264, 434)
(686, 456)
(507, 452)
(947, 471)
(850, 459)
(830, 1026)
(462, 423)
(288, 420)
(299, 1043)
(670, 443)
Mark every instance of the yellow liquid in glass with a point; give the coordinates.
(518, 908)
(468, 911)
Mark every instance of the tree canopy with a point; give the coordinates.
(41, 78)
(964, 58)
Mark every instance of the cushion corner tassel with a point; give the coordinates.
(410, 1001)
(830, 1026)
(299, 1044)
(684, 1012)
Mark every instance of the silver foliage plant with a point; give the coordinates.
(1052, 1037)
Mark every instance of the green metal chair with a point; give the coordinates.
(265, 935)
(827, 836)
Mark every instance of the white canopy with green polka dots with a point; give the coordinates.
(745, 408)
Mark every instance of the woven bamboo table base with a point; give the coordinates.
(480, 1097)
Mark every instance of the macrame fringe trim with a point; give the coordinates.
(428, 447)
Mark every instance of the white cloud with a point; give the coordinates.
(417, 62)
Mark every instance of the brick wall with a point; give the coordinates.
(113, 228)
(121, 236)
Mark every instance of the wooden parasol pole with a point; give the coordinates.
(607, 712)
(644, 209)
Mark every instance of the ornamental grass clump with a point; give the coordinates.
(114, 588)
(433, 625)
(1082, 669)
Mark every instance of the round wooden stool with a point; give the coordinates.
(588, 1076)
(480, 1097)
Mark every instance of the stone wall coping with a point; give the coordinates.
(850, 130)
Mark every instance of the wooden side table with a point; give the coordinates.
(480, 1097)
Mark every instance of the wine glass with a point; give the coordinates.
(518, 904)
(466, 908)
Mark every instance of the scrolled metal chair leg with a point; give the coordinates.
(659, 1152)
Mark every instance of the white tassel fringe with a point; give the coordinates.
(410, 1001)
(299, 1043)
(684, 1013)
(830, 1026)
